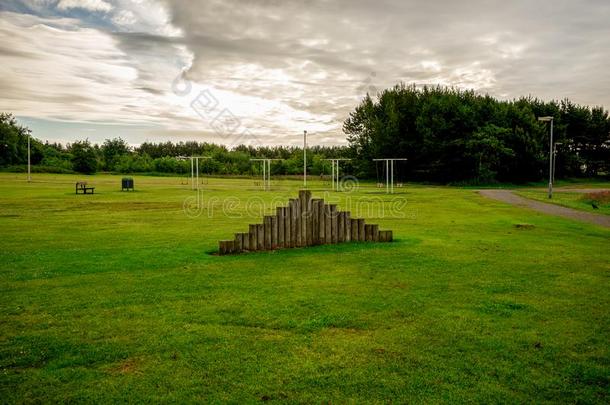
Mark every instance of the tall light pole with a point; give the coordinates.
(305, 159)
(550, 119)
(555, 158)
(29, 160)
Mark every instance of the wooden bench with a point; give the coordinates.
(81, 186)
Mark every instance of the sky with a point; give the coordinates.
(263, 71)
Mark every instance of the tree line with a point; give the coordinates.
(451, 135)
(447, 135)
(116, 155)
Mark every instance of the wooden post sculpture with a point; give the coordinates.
(304, 222)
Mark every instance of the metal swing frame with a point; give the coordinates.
(389, 172)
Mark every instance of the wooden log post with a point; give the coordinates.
(340, 226)
(252, 236)
(368, 235)
(334, 223)
(245, 241)
(296, 225)
(309, 223)
(354, 226)
(390, 236)
(288, 226)
(260, 237)
(361, 230)
(280, 212)
(239, 243)
(274, 232)
(309, 213)
(315, 231)
(348, 227)
(375, 233)
(304, 202)
(267, 227)
(226, 247)
(321, 223)
(385, 236)
(302, 207)
(327, 224)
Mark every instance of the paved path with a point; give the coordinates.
(509, 197)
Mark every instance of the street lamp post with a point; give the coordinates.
(304, 159)
(550, 119)
(29, 160)
(555, 158)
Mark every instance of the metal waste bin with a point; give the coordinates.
(127, 184)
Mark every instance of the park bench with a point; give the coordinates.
(81, 186)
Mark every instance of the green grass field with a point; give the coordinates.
(577, 201)
(114, 297)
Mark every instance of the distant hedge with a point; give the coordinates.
(35, 169)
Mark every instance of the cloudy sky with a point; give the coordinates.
(262, 71)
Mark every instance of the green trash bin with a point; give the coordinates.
(127, 184)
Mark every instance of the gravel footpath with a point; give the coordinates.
(509, 197)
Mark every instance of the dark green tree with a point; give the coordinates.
(488, 149)
(84, 159)
(112, 151)
(14, 143)
(452, 135)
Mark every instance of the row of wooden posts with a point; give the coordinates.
(306, 221)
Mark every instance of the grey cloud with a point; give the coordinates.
(386, 32)
(309, 62)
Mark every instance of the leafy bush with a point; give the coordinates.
(60, 163)
(36, 169)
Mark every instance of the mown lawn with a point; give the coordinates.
(115, 297)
